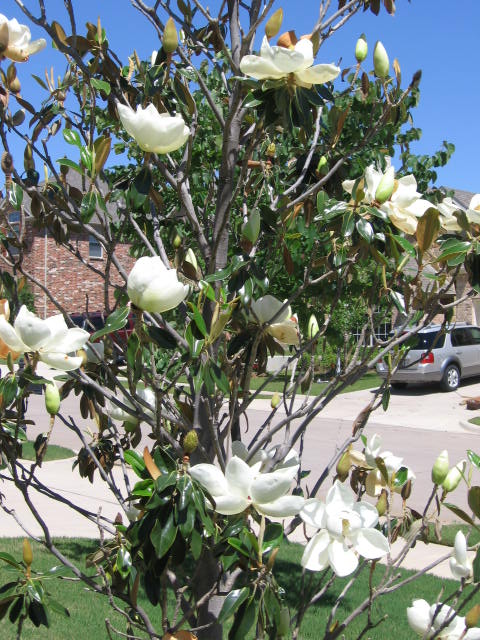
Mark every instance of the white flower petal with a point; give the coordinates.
(319, 74)
(313, 512)
(239, 477)
(341, 495)
(285, 332)
(460, 547)
(32, 330)
(342, 559)
(418, 616)
(61, 361)
(368, 513)
(10, 337)
(211, 478)
(153, 131)
(371, 544)
(268, 487)
(229, 504)
(282, 507)
(154, 288)
(315, 555)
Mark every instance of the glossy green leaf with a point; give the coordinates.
(244, 620)
(163, 536)
(88, 206)
(116, 320)
(71, 136)
(474, 500)
(101, 85)
(474, 458)
(65, 162)
(232, 602)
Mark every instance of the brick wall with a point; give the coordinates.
(76, 287)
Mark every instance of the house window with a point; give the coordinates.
(95, 249)
(14, 231)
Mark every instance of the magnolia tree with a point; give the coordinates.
(256, 189)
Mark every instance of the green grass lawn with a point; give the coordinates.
(54, 452)
(368, 381)
(88, 611)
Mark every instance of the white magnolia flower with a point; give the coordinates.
(50, 339)
(460, 563)
(403, 207)
(473, 211)
(426, 621)
(345, 532)
(279, 62)
(260, 459)
(121, 415)
(153, 131)
(375, 481)
(447, 209)
(243, 486)
(284, 326)
(154, 288)
(20, 45)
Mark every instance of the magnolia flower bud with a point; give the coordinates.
(454, 476)
(440, 468)
(313, 327)
(154, 288)
(191, 258)
(382, 503)
(273, 24)
(177, 241)
(381, 63)
(275, 400)
(472, 617)
(27, 552)
(170, 37)
(322, 166)
(343, 466)
(52, 398)
(385, 186)
(361, 48)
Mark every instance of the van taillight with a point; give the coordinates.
(427, 358)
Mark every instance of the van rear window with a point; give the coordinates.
(426, 341)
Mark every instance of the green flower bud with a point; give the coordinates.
(273, 24)
(322, 166)
(313, 327)
(52, 398)
(170, 37)
(361, 48)
(177, 241)
(27, 552)
(381, 63)
(343, 466)
(440, 468)
(454, 476)
(385, 186)
(283, 622)
(275, 400)
(382, 503)
(190, 441)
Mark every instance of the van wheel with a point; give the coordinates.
(451, 378)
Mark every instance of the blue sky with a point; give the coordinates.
(440, 37)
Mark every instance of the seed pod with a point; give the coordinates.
(272, 27)
(52, 398)
(170, 37)
(385, 186)
(7, 162)
(190, 441)
(381, 63)
(361, 48)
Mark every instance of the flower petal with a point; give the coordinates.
(315, 555)
(283, 507)
(342, 559)
(341, 495)
(371, 544)
(319, 74)
(211, 478)
(10, 337)
(313, 512)
(61, 361)
(228, 505)
(260, 68)
(418, 616)
(368, 513)
(267, 308)
(153, 131)
(285, 332)
(268, 487)
(239, 477)
(32, 330)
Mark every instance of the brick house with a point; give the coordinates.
(75, 281)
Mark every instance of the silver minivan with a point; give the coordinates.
(435, 355)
